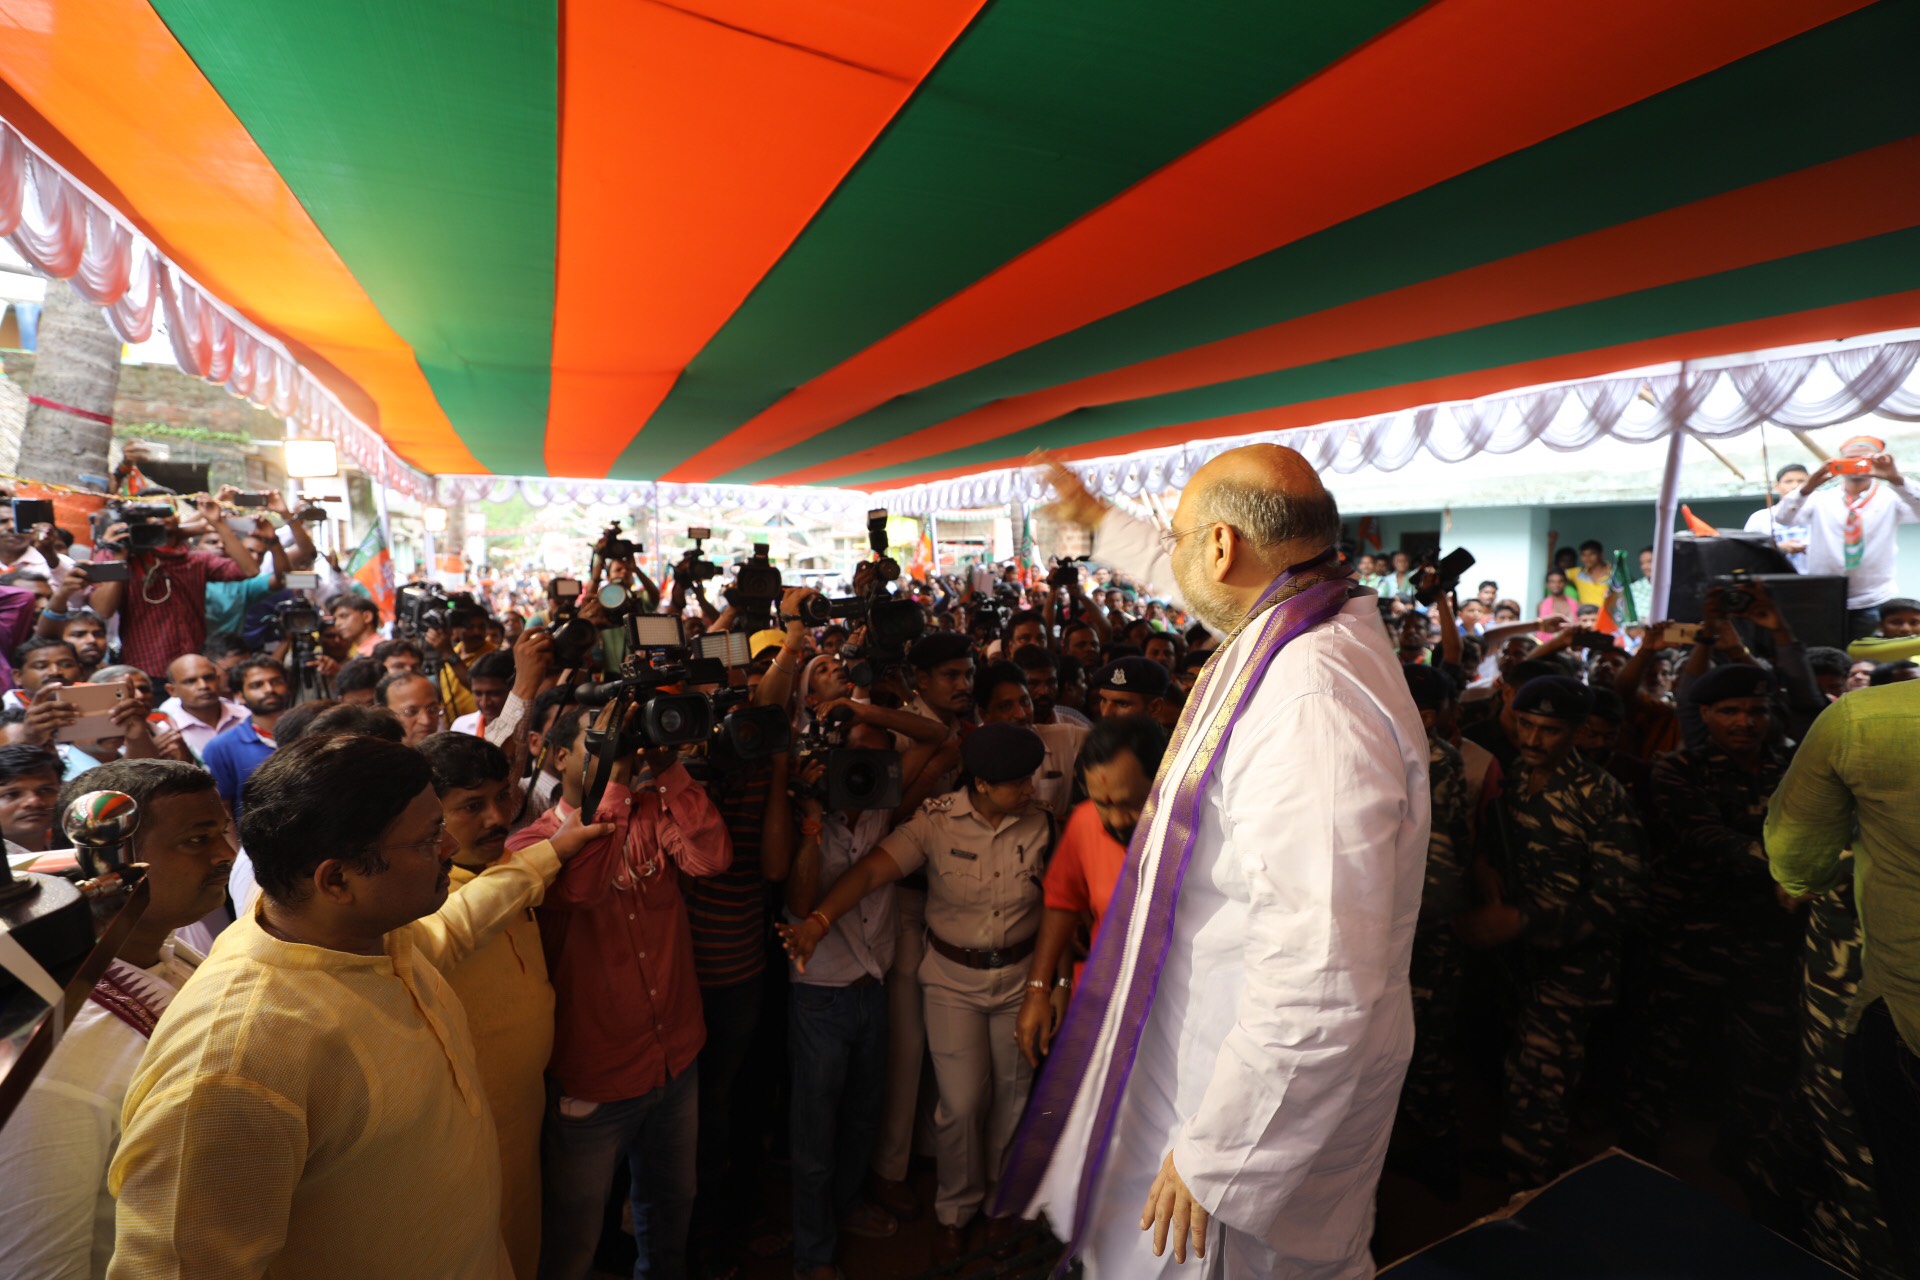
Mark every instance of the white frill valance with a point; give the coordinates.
(67, 232)
(767, 499)
(1821, 387)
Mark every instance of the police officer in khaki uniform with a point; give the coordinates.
(1002, 696)
(984, 848)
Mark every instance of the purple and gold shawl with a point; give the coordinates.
(1295, 603)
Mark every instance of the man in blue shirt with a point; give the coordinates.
(232, 756)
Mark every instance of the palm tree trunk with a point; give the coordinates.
(76, 365)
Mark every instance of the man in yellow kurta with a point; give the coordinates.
(310, 1106)
(503, 986)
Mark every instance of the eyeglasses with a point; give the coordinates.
(1170, 539)
(431, 845)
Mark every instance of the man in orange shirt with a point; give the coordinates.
(1116, 769)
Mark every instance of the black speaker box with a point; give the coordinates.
(1815, 607)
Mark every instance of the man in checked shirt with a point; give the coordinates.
(627, 1020)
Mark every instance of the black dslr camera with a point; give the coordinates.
(893, 622)
(1448, 570)
(694, 567)
(856, 777)
(756, 591)
(1065, 574)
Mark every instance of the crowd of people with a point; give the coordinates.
(388, 959)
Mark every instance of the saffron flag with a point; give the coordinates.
(372, 567)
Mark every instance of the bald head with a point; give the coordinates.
(1245, 517)
(1271, 496)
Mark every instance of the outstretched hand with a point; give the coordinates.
(574, 835)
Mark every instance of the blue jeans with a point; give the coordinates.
(838, 1048)
(656, 1132)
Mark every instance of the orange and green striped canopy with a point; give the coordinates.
(870, 242)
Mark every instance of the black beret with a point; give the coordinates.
(1132, 675)
(1561, 697)
(936, 647)
(1002, 752)
(1609, 706)
(1734, 680)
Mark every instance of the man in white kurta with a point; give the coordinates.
(1271, 1061)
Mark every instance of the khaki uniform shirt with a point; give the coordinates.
(983, 880)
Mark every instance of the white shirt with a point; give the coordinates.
(860, 944)
(1067, 715)
(1766, 520)
(1271, 1062)
(469, 724)
(1824, 513)
(197, 733)
(1053, 784)
(56, 1217)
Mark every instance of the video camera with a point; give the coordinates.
(303, 625)
(756, 591)
(145, 532)
(856, 777)
(1449, 567)
(420, 607)
(618, 598)
(573, 636)
(694, 567)
(1065, 573)
(893, 622)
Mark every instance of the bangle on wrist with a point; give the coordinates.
(1037, 984)
(826, 925)
(1063, 984)
(54, 615)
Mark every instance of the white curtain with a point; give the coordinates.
(65, 232)
(1706, 399)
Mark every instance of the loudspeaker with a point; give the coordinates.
(1815, 607)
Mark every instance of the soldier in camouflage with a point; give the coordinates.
(1726, 950)
(1427, 1099)
(1561, 878)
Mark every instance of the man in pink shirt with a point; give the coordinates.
(1116, 768)
(627, 1021)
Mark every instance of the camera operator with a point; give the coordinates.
(837, 1027)
(628, 1022)
(1797, 700)
(983, 848)
(56, 1216)
(227, 602)
(163, 605)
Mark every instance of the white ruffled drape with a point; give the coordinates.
(1707, 399)
(67, 232)
(753, 499)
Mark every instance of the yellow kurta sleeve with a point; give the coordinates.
(477, 911)
(204, 1176)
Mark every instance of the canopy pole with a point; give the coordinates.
(933, 540)
(1669, 511)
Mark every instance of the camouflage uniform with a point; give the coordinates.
(1573, 866)
(1726, 953)
(1427, 1098)
(1832, 1179)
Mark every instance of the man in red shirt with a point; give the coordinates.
(1116, 768)
(627, 1020)
(163, 604)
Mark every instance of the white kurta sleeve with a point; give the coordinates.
(1788, 509)
(1316, 833)
(1908, 494)
(1132, 546)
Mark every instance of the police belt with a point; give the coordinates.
(1013, 953)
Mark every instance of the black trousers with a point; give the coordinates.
(1883, 1079)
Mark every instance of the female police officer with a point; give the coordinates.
(984, 847)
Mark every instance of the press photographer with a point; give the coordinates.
(627, 1017)
(163, 604)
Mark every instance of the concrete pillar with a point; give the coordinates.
(1509, 545)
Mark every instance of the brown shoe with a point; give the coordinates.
(896, 1198)
(948, 1244)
